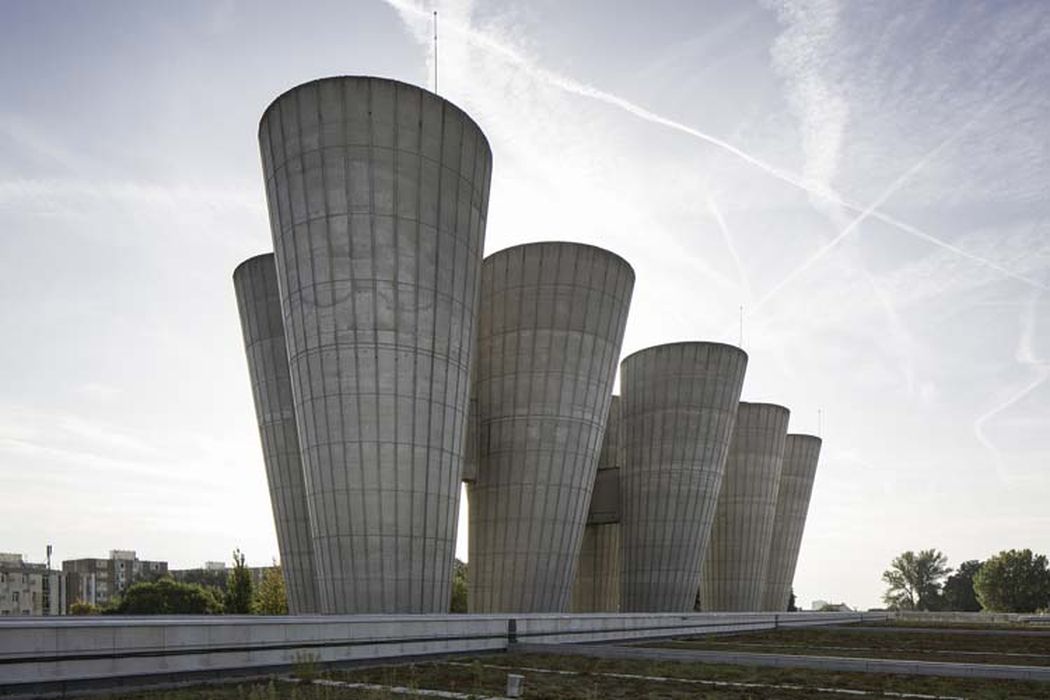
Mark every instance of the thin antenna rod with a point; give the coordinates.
(435, 51)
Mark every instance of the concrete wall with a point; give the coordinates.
(259, 303)
(597, 586)
(549, 335)
(64, 655)
(605, 498)
(972, 618)
(801, 454)
(733, 575)
(679, 404)
(378, 193)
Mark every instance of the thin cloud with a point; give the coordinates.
(57, 195)
(1026, 356)
(879, 201)
(482, 40)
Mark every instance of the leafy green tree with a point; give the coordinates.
(167, 597)
(915, 580)
(1013, 581)
(79, 607)
(271, 598)
(792, 603)
(958, 588)
(239, 596)
(459, 587)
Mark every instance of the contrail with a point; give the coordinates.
(1026, 356)
(871, 209)
(724, 230)
(577, 88)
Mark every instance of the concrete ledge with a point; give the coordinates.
(973, 618)
(94, 651)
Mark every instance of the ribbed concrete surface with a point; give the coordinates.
(255, 282)
(597, 586)
(552, 321)
(801, 454)
(679, 405)
(733, 575)
(611, 456)
(378, 193)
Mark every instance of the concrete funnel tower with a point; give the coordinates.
(733, 576)
(679, 404)
(801, 454)
(597, 587)
(255, 282)
(549, 335)
(378, 193)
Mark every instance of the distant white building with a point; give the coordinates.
(830, 607)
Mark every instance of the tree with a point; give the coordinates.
(915, 580)
(271, 598)
(79, 607)
(1013, 581)
(459, 587)
(166, 596)
(239, 587)
(792, 603)
(958, 588)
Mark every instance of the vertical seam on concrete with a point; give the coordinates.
(313, 264)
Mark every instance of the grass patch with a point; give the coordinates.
(476, 676)
(843, 641)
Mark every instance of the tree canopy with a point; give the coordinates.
(79, 607)
(1013, 581)
(459, 587)
(271, 598)
(167, 597)
(958, 588)
(915, 580)
(239, 597)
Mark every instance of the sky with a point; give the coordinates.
(869, 182)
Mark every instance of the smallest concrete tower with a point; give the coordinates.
(801, 454)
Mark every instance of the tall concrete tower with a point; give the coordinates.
(733, 576)
(378, 194)
(679, 404)
(801, 454)
(597, 587)
(551, 325)
(255, 282)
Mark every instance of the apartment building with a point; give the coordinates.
(30, 589)
(99, 581)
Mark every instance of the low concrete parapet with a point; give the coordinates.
(972, 618)
(40, 652)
